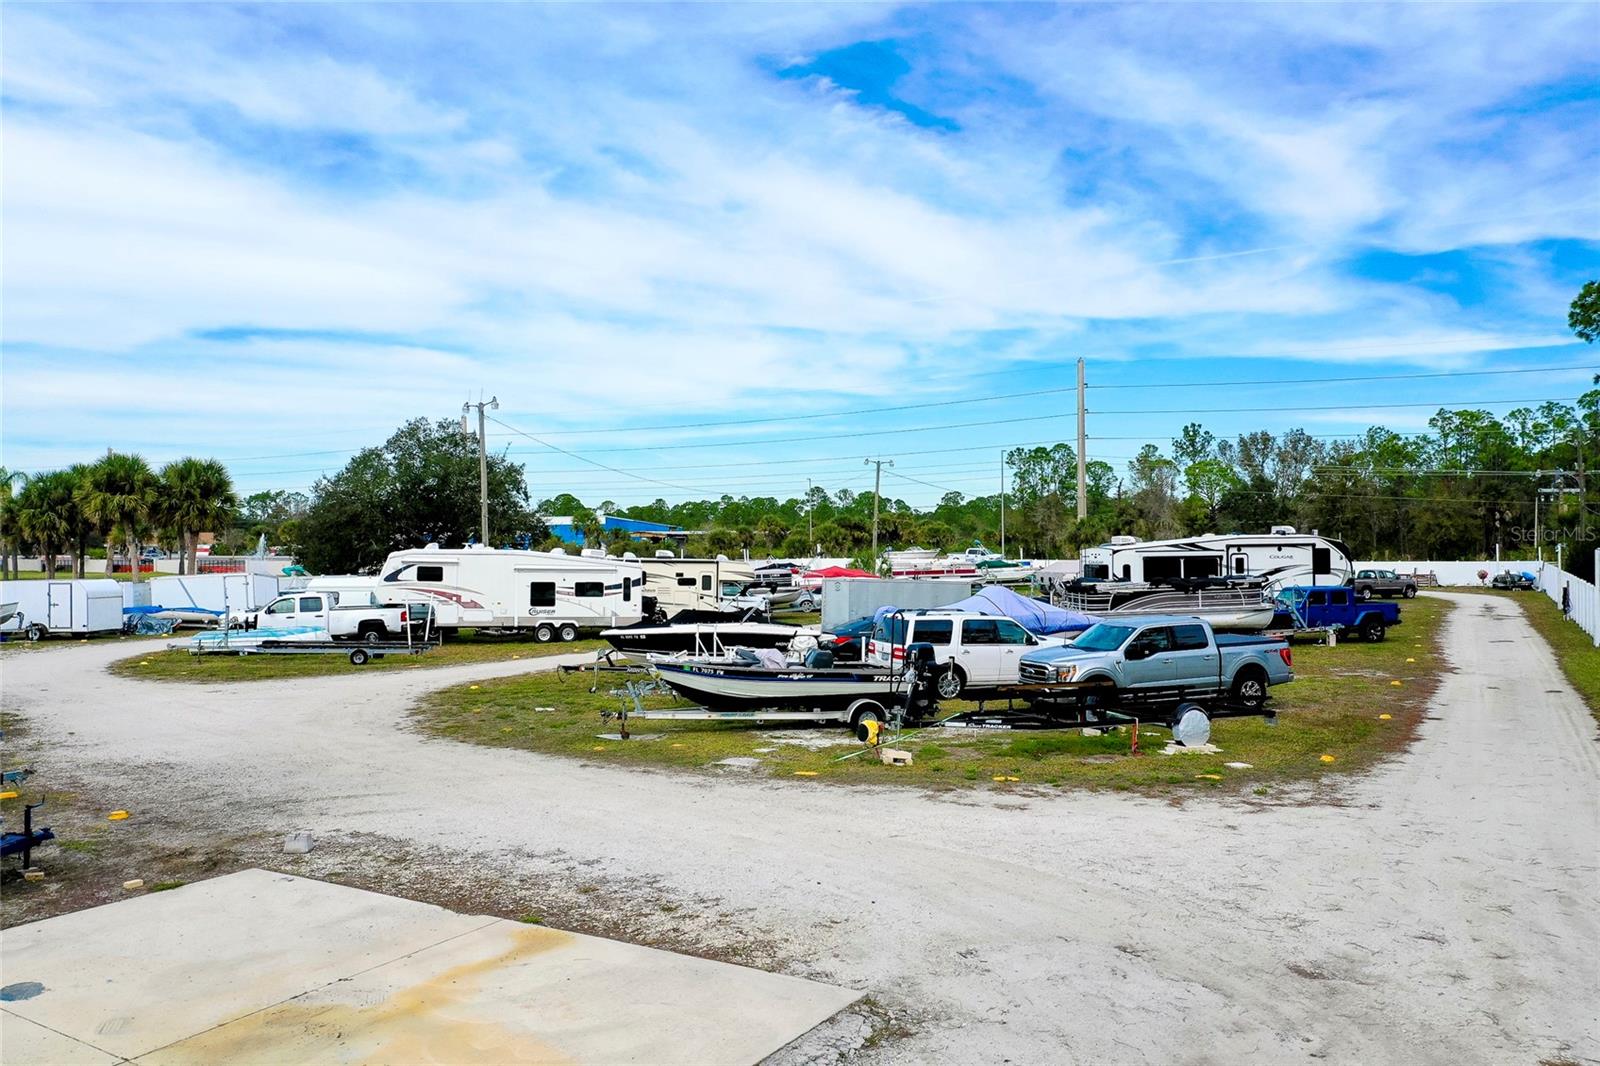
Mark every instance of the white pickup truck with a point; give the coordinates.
(315, 616)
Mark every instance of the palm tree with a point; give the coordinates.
(43, 511)
(82, 528)
(118, 496)
(10, 536)
(199, 495)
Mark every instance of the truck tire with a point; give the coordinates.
(370, 632)
(1249, 687)
(1362, 595)
(1410, 592)
(359, 656)
(544, 634)
(1373, 630)
(35, 633)
(950, 682)
(569, 632)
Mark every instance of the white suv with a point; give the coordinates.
(976, 650)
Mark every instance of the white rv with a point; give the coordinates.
(675, 584)
(550, 594)
(81, 607)
(1280, 557)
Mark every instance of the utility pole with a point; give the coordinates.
(810, 536)
(1002, 505)
(877, 493)
(493, 404)
(1083, 469)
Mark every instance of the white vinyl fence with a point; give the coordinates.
(1584, 599)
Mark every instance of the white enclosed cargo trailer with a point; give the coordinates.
(550, 594)
(79, 607)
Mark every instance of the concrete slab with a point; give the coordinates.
(479, 990)
(22, 1041)
(145, 972)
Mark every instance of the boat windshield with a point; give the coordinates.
(1103, 637)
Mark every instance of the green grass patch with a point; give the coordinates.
(180, 665)
(1332, 708)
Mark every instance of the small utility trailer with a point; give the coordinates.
(359, 654)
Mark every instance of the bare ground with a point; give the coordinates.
(1441, 911)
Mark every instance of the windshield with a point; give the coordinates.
(1103, 637)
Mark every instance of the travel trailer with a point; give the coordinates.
(1278, 558)
(672, 584)
(81, 607)
(549, 594)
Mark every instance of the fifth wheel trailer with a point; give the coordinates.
(79, 607)
(548, 594)
(1279, 558)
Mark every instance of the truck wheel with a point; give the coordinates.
(544, 634)
(950, 683)
(1373, 630)
(371, 634)
(1250, 688)
(1410, 592)
(35, 633)
(569, 632)
(359, 656)
(1362, 595)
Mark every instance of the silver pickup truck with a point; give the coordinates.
(1163, 659)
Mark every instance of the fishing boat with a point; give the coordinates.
(700, 633)
(1238, 604)
(735, 683)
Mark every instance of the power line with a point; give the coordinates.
(1031, 393)
(1051, 417)
(1356, 377)
(591, 462)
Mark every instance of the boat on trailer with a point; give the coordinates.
(735, 683)
(700, 633)
(1227, 603)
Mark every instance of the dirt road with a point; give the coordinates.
(1443, 911)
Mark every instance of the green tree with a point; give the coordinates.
(196, 496)
(46, 513)
(1584, 317)
(118, 495)
(11, 482)
(420, 485)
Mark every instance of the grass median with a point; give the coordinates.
(1333, 708)
(178, 664)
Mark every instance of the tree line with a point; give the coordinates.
(118, 500)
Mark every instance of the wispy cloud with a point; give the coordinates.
(595, 211)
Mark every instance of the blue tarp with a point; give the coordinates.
(1036, 616)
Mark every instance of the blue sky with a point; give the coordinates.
(271, 234)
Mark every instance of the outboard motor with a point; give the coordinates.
(921, 667)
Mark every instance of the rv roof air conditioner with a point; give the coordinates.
(558, 551)
(431, 546)
(1282, 531)
(662, 553)
(630, 557)
(1119, 541)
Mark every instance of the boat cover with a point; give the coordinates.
(1036, 616)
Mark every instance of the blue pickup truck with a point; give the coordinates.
(1335, 607)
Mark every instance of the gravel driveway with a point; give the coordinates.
(1442, 910)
